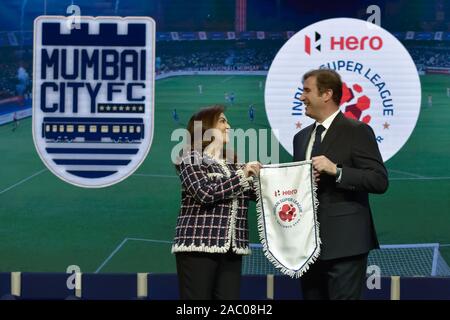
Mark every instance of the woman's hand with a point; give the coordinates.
(252, 168)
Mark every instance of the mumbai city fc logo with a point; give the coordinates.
(381, 86)
(93, 93)
(287, 212)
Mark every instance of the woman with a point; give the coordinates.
(212, 227)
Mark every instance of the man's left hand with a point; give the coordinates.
(323, 165)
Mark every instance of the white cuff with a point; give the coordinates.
(339, 176)
(243, 180)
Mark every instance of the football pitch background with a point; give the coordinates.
(47, 224)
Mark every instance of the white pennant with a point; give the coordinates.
(287, 216)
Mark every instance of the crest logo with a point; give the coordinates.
(287, 212)
(381, 86)
(354, 103)
(93, 97)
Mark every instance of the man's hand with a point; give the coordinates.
(316, 175)
(322, 164)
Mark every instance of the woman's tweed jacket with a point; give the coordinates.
(214, 202)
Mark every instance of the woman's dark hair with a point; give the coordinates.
(208, 116)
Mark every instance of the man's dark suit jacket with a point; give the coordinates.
(346, 223)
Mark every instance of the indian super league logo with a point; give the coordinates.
(93, 96)
(287, 212)
(381, 85)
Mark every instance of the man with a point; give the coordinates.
(347, 166)
(232, 98)
(175, 116)
(15, 122)
(251, 112)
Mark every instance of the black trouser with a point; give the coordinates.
(337, 279)
(208, 276)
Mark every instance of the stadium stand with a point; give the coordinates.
(5, 284)
(162, 286)
(413, 288)
(48, 286)
(33, 286)
(112, 286)
(254, 287)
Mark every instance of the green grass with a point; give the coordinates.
(417, 211)
(47, 224)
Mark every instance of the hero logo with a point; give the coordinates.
(344, 43)
(355, 43)
(317, 45)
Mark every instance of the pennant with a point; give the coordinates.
(287, 216)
